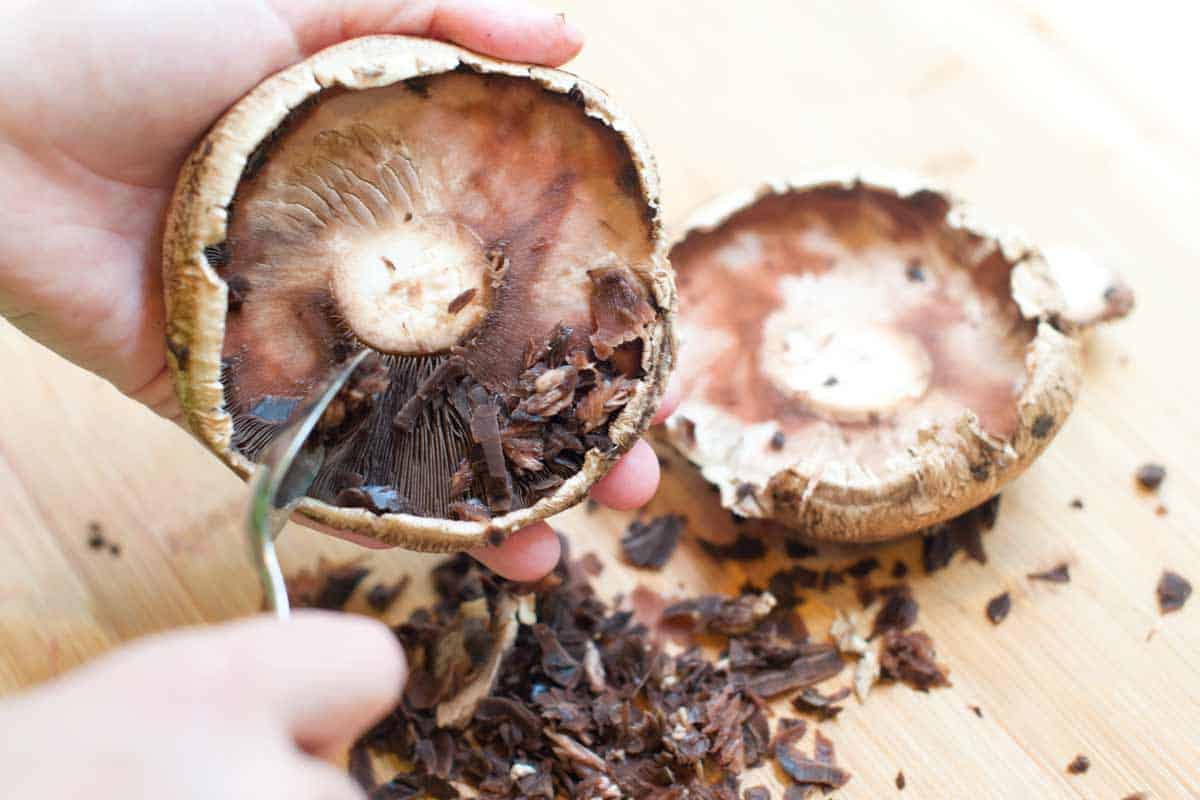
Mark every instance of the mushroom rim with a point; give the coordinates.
(936, 484)
(197, 298)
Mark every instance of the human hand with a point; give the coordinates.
(241, 711)
(108, 102)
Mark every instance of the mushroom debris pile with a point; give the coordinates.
(862, 361)
(490, 230)
(553, 694)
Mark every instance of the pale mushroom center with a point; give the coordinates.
(844, 370)
(416, 290)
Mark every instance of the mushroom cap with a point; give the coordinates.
(861, 358)
(352, 79)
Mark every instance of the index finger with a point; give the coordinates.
(508, 29)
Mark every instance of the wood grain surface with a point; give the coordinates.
(1070, 121)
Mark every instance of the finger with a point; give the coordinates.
(505, 29)
(632, 482)
(348, 536)
(324, 677)
(669, 403)
(509, 29)
(527, 555)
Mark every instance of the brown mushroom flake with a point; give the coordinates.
(819, 770)
(360, 768)
(964, 532)
(354, 401)
(721, 615)
(743, 548)
(798, 549)
(824, 706)
(727, 713)
(557, 663)
(1173, 591)
(485, 432)
(650, 544)
(863, 567)
(909, 657)
(461, 479)
(786, 583)
(97, 541)
(554, 390)
(551, 349)
(830, 578)
(470, 509)
(998, 608)
(377, 499)
(619, 309)
(461, 301)
(238, 286)
(1151, 476)
(328, 586)
(819, 665)
(382, 596)
(898, 613)
(1043, 424)
(448, 371)
(607, 395)
(524, 449)
(1057, 574)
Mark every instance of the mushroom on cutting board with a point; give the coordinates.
(491, 230)
(860, 359)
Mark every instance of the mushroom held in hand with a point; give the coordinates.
(860, 360)
(491, 230)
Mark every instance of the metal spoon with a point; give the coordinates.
(286, 473)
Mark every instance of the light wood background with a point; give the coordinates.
(1073, 122)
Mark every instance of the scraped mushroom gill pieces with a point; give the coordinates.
(837, 322)
(488, 239)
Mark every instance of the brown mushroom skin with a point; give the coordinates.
(198, 299)
(828, 467)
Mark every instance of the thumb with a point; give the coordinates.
(324, 677)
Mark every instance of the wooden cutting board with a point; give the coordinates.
(1074, 123)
